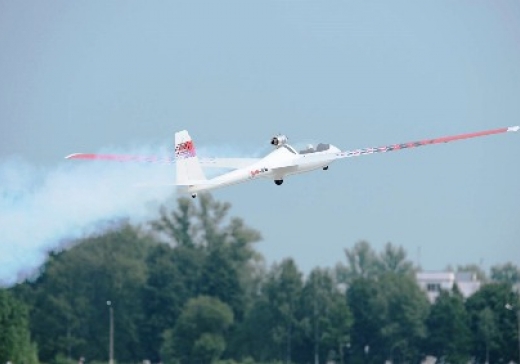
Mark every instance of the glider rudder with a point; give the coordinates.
(187, 165)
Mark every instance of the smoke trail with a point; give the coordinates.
(39, 208)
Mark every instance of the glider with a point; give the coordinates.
(283, 161)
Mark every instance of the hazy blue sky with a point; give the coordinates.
(91, 76)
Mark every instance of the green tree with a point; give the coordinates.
(340, 320)
(362, 261)
(487, 330)
(199, 334)
(505, 273)
(203, 230)
(271, 327)
(193, 225)
(367, 308)
(406, 311)
(173, 276)
(208, 348)
(69, 313)
(494, 326)
(393, 260)
(326, 317)
(148, 282)
(283, 289)
(389, 315)
(177, 225)
(220, 279)
(15, 342)
(205, 254)
(255, 337)
(449, 337)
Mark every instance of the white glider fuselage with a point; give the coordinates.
(281, 162)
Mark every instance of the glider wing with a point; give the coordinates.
(120, 158)
(232, 163)
(420, 143)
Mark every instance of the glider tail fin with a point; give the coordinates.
(189, 171)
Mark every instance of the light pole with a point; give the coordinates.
(111, 334)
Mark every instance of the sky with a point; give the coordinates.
(123, 76)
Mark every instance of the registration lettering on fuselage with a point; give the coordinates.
(256, 172)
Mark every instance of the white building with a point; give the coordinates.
(433, 282)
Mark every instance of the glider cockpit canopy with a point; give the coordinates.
(319, 148)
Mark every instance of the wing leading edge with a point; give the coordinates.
(420, 143)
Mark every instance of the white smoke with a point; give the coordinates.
(40, 208)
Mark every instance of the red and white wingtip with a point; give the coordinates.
(513, 128)
(87, 156)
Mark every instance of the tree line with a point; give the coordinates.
(189, 287)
